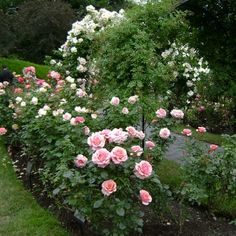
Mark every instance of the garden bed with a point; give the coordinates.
(179, 220)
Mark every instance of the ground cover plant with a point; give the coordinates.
(97, 128)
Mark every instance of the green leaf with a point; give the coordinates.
(98, 203)
(79, 216)
(56, 191)
(120, 212)
(68, 174)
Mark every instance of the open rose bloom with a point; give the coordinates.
(108, 187)
(145, 197)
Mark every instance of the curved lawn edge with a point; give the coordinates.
(20, 214)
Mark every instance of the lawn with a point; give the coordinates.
(19, 212)
(17, 66)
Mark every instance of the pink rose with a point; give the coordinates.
(161, 113)
(96, 141)
(119, 155)
(178, 114)
(106, 133)
(115, 101)
(201, 129)
(66, 116)
(201, 109)
(143, 169)
(72, 121)
(27, 86)
(150, 145)
(164, 133)
(79, 119)
(81, 93)
(54, 75)
(20, 80)
(145, 197)
(213, 147)
(61, 82)
(30, 69)
(86, 130)
(187, 132)
(101, 157)
(18, 90)
(137, 150)
(133, 99)
(117, 136)
(3, 131)
(131, 131)
(108, 187)
(140, 135)
(125, 110)
(80, 161)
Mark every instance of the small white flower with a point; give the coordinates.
(34, 101)
(23, 104)
(190, 93)
(53, 62)
(73, 86)
(94, 116)
(18, 100)
(73, 50)
(70, 79)
(189, 83)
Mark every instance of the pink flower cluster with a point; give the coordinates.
(133, 133)
(54, 75)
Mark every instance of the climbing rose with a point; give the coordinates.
(201, 129)
(108, 187)
(80, 161)
(96, 141)
(164, 133)
(115, 101)
(145, 197)
(119, 155)
(131, 131)
(3, 131)
(150, 145)
(161, 113)
(187, 132)
(101, 157)
(143, 169)
(178, 114)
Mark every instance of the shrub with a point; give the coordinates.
(208, 174)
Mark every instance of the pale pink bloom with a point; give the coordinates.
(108, 187)
(119, 155)
(140, 135)
(150, 145)
(96, 141)
(115, 101)
(106, 133)
(81, 93)
(133, 99)
(201, 129)
(161, 113)
(29, 69)
(27, 86)
(131, 131)
(94, 116)
(213, 147)
(187, 132)
(164, 133)
(80, 161)
(178, 114)
(54, 75)
(72, 121)
(145, 197)
(18, 90)
(101, 157)
(66, 116)
(125, 110)
(143, 169)
(201, 109)
(61, 82)
(79, 119)
(3, 131)
(86, 130)
(137, 149)
(117, 136)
